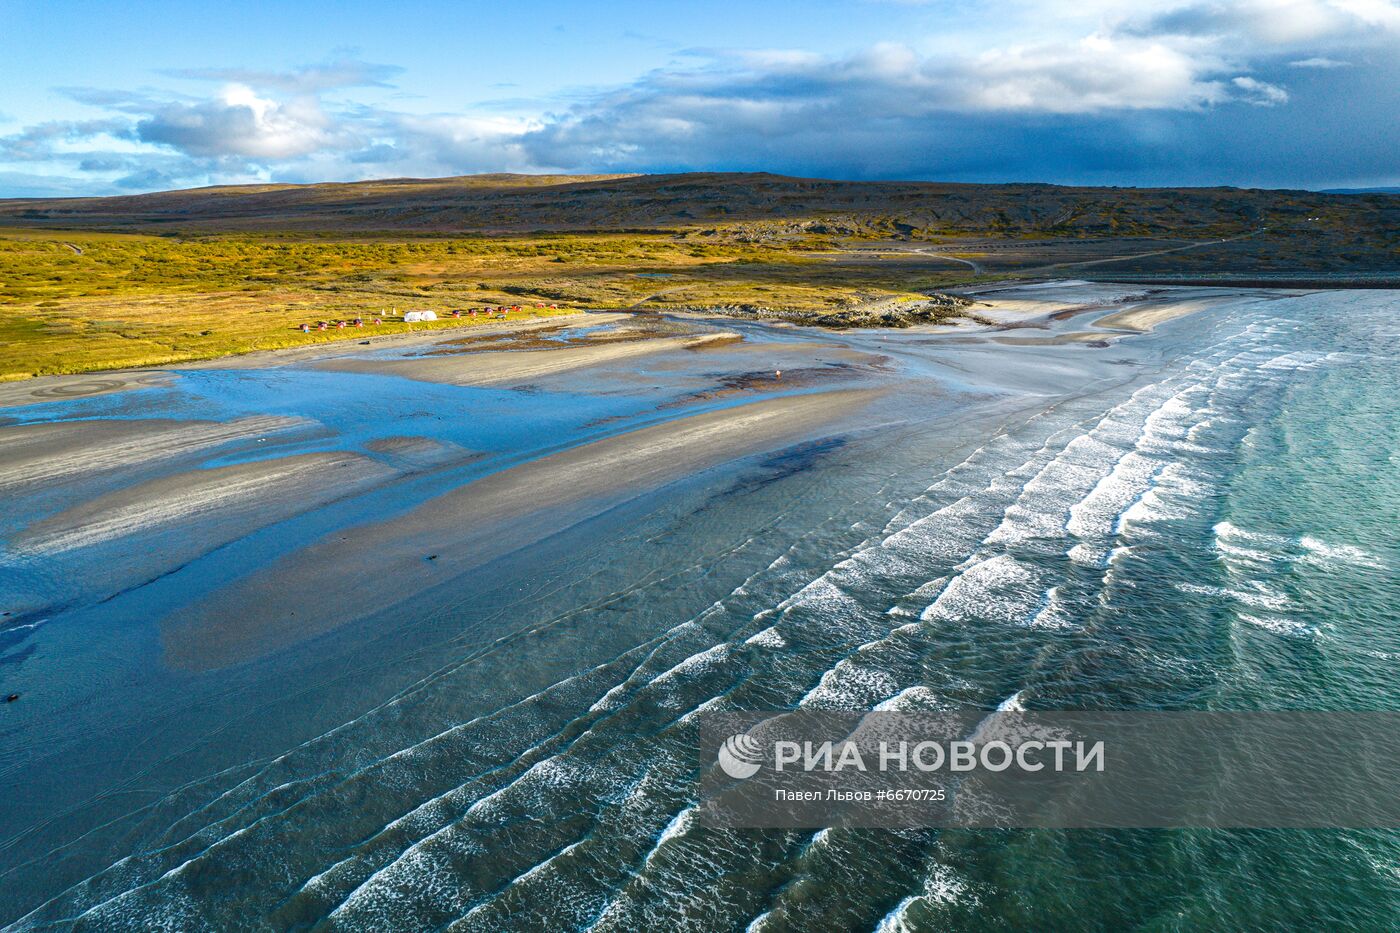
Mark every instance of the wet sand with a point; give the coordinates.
(48, 452)
(370, 568)
(61, 388)
(370, 340)
(1143, 318)
(43, 389)
(513, 366)
(1108, 310)
(243, 496)
(107, 502)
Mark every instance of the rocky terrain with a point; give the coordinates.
(937, 308)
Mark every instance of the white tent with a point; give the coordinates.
(413, 316)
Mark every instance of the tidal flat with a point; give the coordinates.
(412, 634)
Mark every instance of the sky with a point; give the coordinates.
(104, 98)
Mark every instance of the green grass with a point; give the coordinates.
(130, 300)
(90, 284)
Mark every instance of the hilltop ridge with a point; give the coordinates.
(779, 205)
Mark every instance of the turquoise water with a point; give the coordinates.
(1202, 518)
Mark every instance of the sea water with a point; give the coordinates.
(1204, 518)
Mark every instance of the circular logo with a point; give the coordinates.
(741, 756)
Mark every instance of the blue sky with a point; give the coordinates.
(111, 98)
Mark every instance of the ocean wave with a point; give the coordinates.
(1256, 545)
(996, 588)
(941, 886)
(1014, 703)
(768, 638)
(1277, 624)
(1253, 593)
(918, 697)
(1053, 614)
(1322, 552)
(848, 685)
(1236, 542)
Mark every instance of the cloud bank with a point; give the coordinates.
(1271, 92)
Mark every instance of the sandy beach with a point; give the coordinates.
(60, 388)
(368, 473)
(1143, 317)
(1106, 311)
(123, 501)
(43, 453)
(244, 496)
(401, 341)
(370, 568)
(520, 366)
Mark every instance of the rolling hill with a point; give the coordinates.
(752, 203)
(138, 280)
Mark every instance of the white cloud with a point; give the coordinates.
(452, 144)
(1110, 80)
(1260, 93)
(1382, 13)
(1100, 72)
(1319, 62)
(239, 122)
(1269, 23)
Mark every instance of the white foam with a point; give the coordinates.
(680, 825)
(1013, 703)
(1276, 624)
(1238, 547)
(1096, 516)
(1232, 532)
(893, 922)
(758, 922)
(1259, 596)
(1086, 556)
(849, 684)
(1236, 543)
(701, 660)
(1053, 613)
(1322, 552)
(913, 698)
(941, 886)
(1042, 508)
(768, 638)
(998, 588)
(1252, 593)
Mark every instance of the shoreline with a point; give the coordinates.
(32, 390)
(501, 367)
(351, 337)
(466, 527)
(1123, 309)
(1110, 311)
(612, 539)
(962, 319)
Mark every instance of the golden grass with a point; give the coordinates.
(76, 302)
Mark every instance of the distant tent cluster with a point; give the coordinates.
(338, 325)
(413, 317)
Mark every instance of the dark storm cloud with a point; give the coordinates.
(1274, 126)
